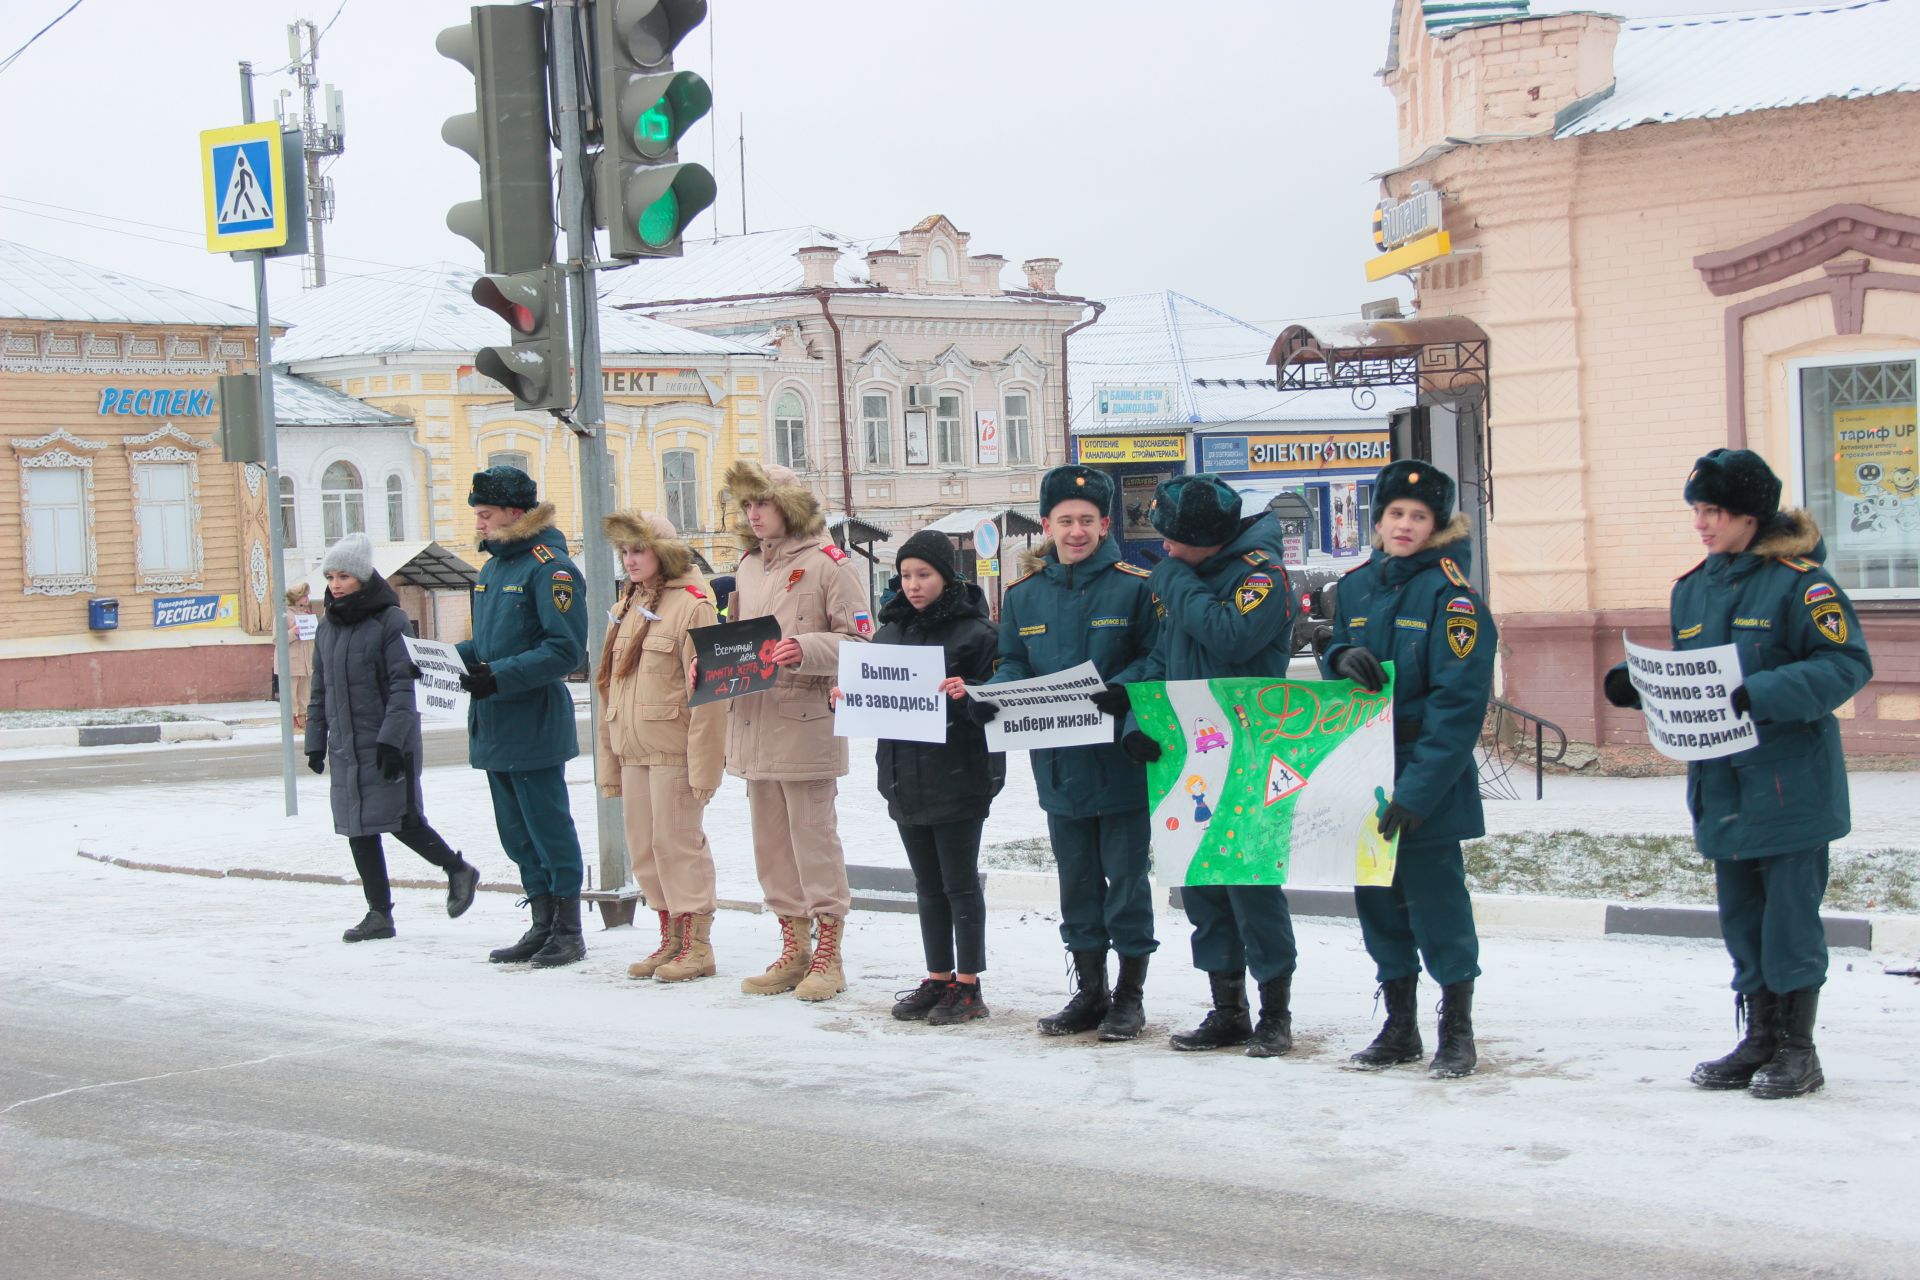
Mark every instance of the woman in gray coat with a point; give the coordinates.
(362, 719)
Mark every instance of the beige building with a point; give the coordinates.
(1670, 235)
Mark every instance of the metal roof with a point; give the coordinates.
(761, 262)
(301, 402)
(35, 285)
(414, 564)
(431, 308)
(1014, 522)
(1724, 64)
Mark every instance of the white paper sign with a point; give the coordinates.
(439, 695)
(305, 626)
(1046, 711)
(892, 691)
(1687, 698)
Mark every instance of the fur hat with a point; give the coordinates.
(1066, 482)
(353, 555)
(508, 487)
(749, 481)
(650, 531)
(1419, 480)
(1737, 480)
(933, 547)
(1199, 510)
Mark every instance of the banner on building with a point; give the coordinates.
(986, 426)
(1133, 400)
(734, 658)
(193, 613)
(1136, 505)
(1687, 698)
(438, 694)
(1876, 478)
(892, 691)
(1046, 711)
(1348, 450)
(1265, 781)
(1099, 450)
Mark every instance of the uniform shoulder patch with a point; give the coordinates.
(1452, 570)
(562, 595)
(1460, 604)
(1256, 557)
(1819, 591)
(561, 575)
(1123, 567)
(543, 553)
(834, 553)
(1799, 564)
(696, 592)
(1461, 635)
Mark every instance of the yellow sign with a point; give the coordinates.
(1133, 449)
(1425, 249)
(244, 180)
(1354, 449)
(986, 568)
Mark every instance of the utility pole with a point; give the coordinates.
(325, 138)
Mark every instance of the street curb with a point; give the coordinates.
(115, 735)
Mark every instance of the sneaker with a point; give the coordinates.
(376, 924)
(912, 1006)
(961, 1002)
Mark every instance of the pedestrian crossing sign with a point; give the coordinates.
(243, 173)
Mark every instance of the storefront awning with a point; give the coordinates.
(1433, 354)
(413, 564)
(846, 529)
(1013, 522)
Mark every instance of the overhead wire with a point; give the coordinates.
(9, 60)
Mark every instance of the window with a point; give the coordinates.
(1317, 499)
(289, 514)
(1017, 428)
(342, 504)
(56, 523)
(939, 263)
(396, 509)
(876, 430)
(165, 494)
(682, 492)
(1366, 512)
(1860, 470)
(949, 446)
(790, 432)
(510, 458)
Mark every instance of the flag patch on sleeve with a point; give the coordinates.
(863, 623)
(1460, 604)
(1819, 591)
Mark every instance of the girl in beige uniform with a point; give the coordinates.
(661, 758)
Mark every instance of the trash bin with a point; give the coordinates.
(103, 615)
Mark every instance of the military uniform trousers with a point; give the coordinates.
(1106, 900)
(1241, 927)
(1770, 918)
(536, 829)
(1424, 915)
(796, 846)
(666, 844)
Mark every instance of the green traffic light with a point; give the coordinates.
(655, 125)
(660, 221)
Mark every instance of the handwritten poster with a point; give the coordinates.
(734, 658)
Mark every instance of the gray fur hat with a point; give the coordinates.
(352, 554)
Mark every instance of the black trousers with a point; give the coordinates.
(946, 879)
(370, 860)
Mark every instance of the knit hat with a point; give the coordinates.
(503, 487)
(353, 555)
(1199, 510)
(1062, 483)
(1419, 480)
(1736, 480)
(932, 546)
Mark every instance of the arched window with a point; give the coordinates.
(343, 503)
(289, 517)
(939, 264)
(509, 458)
(396, 508)
(790, 431)
(682, 494)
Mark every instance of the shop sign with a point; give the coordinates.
(1108, 449)
(1876, 473)
(155, 402)
(1339, 451)
(655, 382)
(182, 613)
(1223, 454)
(1133, 400)
(1408, 220)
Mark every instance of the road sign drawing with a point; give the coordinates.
(243, 177)
(245, 202)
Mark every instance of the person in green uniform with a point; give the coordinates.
(1765, 816)
(529, 634)
(1080, 601)
(1411, 604)
(1226, 609)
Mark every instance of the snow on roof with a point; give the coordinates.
(1724, 64)
(760, 262)
(431, 308)
(35, 285)
(302, 402)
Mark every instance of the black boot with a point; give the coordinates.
(533, 939)
(565, 945)
(1399, 1038)
(1456, 1056)
(1273, 1034)
(1127, 1016)
(463, 880)
(961, 1002)
(1761, 1010)
(1091, 999)
(1795, 1069)
(1228, 1023)
(375, 924)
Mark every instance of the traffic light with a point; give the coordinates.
(506, 49)
(646, 197)
(538, 367)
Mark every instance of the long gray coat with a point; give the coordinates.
(363, 696)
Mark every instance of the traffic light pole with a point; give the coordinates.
(589, 414)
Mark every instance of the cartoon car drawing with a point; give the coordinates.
(1207, 736)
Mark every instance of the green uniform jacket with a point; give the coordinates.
(1801, 655)
(530, 628)
(1231, 616)
(1419, 613)
(1057, 617)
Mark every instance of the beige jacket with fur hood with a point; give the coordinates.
(819, 597)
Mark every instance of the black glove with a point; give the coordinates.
(1140, 748)
(393, 764)
(480, 682)
(1620, 691)
(1398, 819)
(1742, 702)
(1358, 664)
(317, 761)
(982, 712)
(1113, 700)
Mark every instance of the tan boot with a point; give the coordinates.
(695, 957)
(825, 979)
(784, 974)
(668, 948)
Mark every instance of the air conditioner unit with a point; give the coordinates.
(920, 396)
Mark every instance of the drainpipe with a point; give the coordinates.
(1066, 412)
(839, 396)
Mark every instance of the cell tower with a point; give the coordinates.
(325, 137)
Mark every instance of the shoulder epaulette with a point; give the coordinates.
(834, 553)
(1133, 569)
(1357, 568)
(1256, 557)
(1452, 570)
(1022, 578)
(543, 553)
(696, 592)
(1689, 573)
(1800, 564)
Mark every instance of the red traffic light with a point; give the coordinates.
(512, 298)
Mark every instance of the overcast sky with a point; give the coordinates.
(1223, 148)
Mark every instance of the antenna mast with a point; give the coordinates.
(323, 124)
